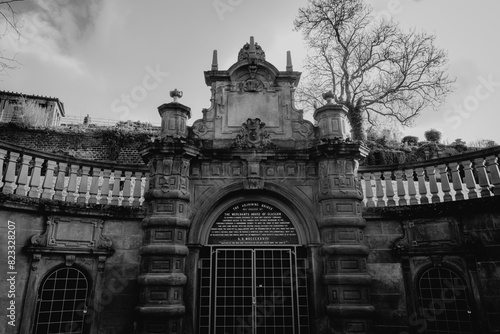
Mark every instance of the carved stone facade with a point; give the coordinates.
(253, 149)
(253, 221)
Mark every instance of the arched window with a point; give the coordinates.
(62, 299)
(445, 307)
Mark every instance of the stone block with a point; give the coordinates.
(382, 256)
(373, 228)
(123, 302)
(124, 256)
(113, 228)
(388, 304)
(392, 227)
(386, 277)
(380, 241)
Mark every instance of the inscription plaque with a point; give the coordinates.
(253, 223)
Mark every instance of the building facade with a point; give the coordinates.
(252, 220)
(11, 109)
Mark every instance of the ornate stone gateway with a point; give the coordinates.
(254, 214)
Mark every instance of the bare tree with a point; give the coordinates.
(370, 64)
(9, 24)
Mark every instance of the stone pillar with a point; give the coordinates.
(332, 119)
(162, 280)
(343, 246)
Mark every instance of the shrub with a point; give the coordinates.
(433, 135)
(410, 140)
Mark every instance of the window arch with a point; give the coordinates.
(444, 303)
(62, 302)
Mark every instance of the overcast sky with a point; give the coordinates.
(118, 59)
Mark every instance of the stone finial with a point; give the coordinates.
(328, 96)
(215, 63)
(175, 94)
(251, 50)
(289, 66)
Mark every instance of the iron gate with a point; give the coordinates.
(253, 291)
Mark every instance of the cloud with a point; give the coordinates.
(54, 31)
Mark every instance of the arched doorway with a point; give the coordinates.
(253, 271)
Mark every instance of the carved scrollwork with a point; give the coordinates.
(39, 240)
(105, 242)
(200, 128)
(402, 245)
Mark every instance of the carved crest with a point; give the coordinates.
(251, 85)
(253, 135)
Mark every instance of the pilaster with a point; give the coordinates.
(343, 248)
(162, 280)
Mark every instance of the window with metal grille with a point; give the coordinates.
(62, 299)
(444, 302)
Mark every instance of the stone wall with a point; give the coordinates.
(387, 289)
(92, 143)
(464, 235)
(116, 293)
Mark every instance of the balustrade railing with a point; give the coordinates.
(455, 178)
(37, 174)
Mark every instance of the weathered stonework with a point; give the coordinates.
(253, 218)
(252, 144)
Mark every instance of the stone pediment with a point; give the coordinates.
(253, 88)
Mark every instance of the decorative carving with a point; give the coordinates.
(101, 263)
(105, 242)
(39, 239)
(35, 261)
(251, 85)
(437, 260)
(253, 135)
(175, 94)
(421, 237)
(70, 260)
(253, 183)
(200, 128)
(246, 51)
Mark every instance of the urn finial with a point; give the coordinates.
(175, 94)
(328, 96)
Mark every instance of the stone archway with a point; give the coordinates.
(255, 282)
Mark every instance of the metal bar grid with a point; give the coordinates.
(61, 303)
(275, 311)
(444, 302)
(234, 291)
(302, 295)
(254, 291)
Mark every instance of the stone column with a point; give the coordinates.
(162, 280)
(343, 246)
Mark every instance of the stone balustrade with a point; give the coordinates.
(36, 174)
(460, 177)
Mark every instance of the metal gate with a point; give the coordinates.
(253, 291)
